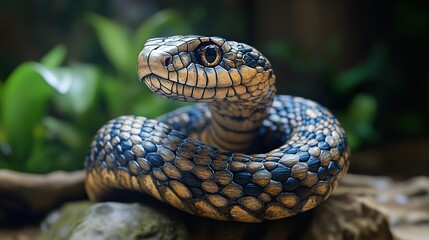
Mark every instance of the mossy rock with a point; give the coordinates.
(110, 220)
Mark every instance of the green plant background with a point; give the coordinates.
(51, 106)
(49, 110)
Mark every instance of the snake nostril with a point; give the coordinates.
(167, 61)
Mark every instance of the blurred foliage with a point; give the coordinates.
(357, 117)
(121, 45)
(410, 19)
(49, 112)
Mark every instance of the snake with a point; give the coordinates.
(239, 153)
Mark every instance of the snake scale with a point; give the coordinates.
(241, 154)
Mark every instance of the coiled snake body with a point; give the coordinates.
(194, 158)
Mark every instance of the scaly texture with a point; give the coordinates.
(195, 158)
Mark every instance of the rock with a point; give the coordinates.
(347, 216)
(110, 220)
(405, 203)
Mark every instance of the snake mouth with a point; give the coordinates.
(187, 93)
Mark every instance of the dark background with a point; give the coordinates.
(356, 57)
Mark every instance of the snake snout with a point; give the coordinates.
(153, 61)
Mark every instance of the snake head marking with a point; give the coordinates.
(204, 69)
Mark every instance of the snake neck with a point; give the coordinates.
(234, 125)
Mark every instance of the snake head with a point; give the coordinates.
(204, 69)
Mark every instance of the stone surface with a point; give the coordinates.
(405, 203)
(346, 216)
(110, 220)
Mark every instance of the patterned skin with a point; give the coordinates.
(243, 154)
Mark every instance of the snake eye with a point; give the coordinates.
(209, 55)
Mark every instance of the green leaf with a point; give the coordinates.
(166, 22)
(55, 57)
(355, 76)
(362, 109)
(57, 78)
(115, 42)
(153, 106)
(81, 92)
(8, 165)
(64, 132)
(48, 156)
(1, 131)
(5, 150)
(24, 100)
(115, 95)
(358, 120)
